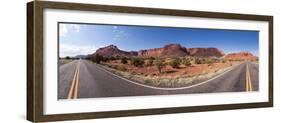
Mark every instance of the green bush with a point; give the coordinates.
(137, 62)
(197, 61)
(97, 58)
(200, 61)
(175, 63)
(124, 60)
(186, 62)
(67, 57)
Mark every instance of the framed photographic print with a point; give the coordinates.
(96, 61)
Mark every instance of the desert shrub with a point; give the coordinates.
(197, 61)
(118, 57)
(122, 68)
(175, 63)
(200, 61)
(112, 58)
(124, 60)
(105, 59)
(209, 61)
(67, 57)
(137, 62)
(97, 58)
(186, 62)
(119, 67)
(151, 58)
(150, 62)
(159, 64)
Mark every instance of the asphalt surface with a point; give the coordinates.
(94, 81)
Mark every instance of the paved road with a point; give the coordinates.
(88, 80)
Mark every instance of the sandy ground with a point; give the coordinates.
(170, 77)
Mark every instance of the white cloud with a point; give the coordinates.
(65, 28)
(119, 36)
(118, 33)
(73, 50)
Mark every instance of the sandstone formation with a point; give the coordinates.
(170, 50)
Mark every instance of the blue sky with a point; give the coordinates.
(82, 39)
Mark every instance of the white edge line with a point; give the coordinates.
(158, 88)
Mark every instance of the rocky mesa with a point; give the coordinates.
(240, 56)
(170, 50)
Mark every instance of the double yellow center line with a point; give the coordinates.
(74, 86)
(248, 80)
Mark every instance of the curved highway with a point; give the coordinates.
(84, 79)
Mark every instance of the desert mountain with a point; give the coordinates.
(240, 56)
(113, 50)
(170, 50)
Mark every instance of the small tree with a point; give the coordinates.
(175, 63)
(93, 58)
(97, 58)
(124, 60)
(159, 64)
(137, 62)
(67, 57)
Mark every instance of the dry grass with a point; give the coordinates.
(64, 61)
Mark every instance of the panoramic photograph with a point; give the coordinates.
(103, 60)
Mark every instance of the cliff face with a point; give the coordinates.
(204, 52)
(240, 56)
(170, 50)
